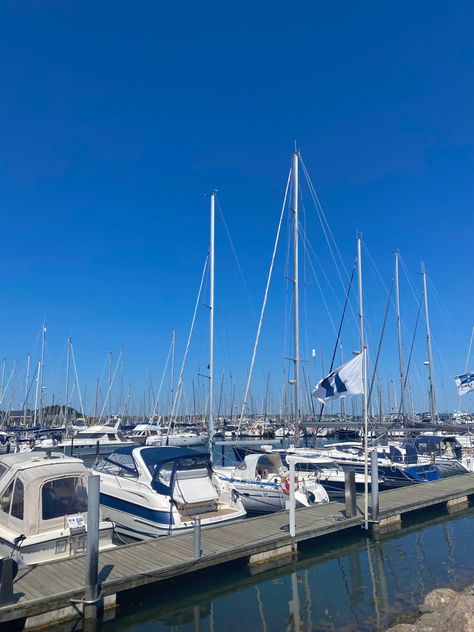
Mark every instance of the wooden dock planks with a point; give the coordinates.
(48, 586)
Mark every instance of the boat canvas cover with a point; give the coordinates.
(253, 463)
(33, 478)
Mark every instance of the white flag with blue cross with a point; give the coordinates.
(342, 382)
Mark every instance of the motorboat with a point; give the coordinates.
(43, 508)
(101, 438)
(262, 481)
(181, 437)
(152, 491)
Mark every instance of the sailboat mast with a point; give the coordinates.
(66, 399)
(27, 379)
(211, 323)
(363, 350)
(41, 370)
(110, 384)
(428, 345)
(399, 337)
(296, 298)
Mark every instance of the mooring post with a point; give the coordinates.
(350, 492)
(92, 558)
(197, 538)
(222, 454)
(292, 511)
(8, 571)
(374, 485)
(97, 451)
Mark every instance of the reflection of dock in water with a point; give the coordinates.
(346, 563)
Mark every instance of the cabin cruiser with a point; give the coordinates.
(263, 483)
(177, 437)
(141, 432)
(103, 437)
(152, 491)
(43, 508)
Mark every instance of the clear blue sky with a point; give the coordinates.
(117, 117)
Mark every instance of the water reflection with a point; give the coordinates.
(344, 584)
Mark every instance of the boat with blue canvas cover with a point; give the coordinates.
(153, 491)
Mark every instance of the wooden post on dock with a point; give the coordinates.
(91, 597)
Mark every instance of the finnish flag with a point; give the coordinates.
(342, 382)
(465, 383)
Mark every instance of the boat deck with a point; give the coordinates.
(49, 587)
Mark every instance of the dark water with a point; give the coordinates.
(342, 583)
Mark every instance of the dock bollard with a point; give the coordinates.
(92, 558)
(8, 571)
(292, 508)
(350, 492)
(197, 538)
(374, 483)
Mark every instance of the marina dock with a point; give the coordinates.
(53, 591)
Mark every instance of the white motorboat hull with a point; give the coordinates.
(48, 547)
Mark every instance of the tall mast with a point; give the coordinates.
(399, 336)
(363, 349)
(173, 347)
(4, 364)
(66, 399)
(296, 296)
(110, 384)
(430, 353)
(41, 371)
(211, 323)
(27, 379)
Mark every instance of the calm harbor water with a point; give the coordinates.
(342, 584)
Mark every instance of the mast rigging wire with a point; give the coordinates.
(267, 287)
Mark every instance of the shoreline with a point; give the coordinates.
(442, 610)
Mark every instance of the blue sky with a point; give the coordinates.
(116, 118)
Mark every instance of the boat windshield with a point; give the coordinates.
(164, 468)
(117, 463)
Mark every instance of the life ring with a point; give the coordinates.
(285, 483)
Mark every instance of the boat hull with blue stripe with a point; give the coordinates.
(153, 491)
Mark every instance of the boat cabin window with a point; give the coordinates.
(3, 469)
(18, 500)
(88, 435)
(5, 498)
(111, 437)
(63, 496)
(12, 499)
